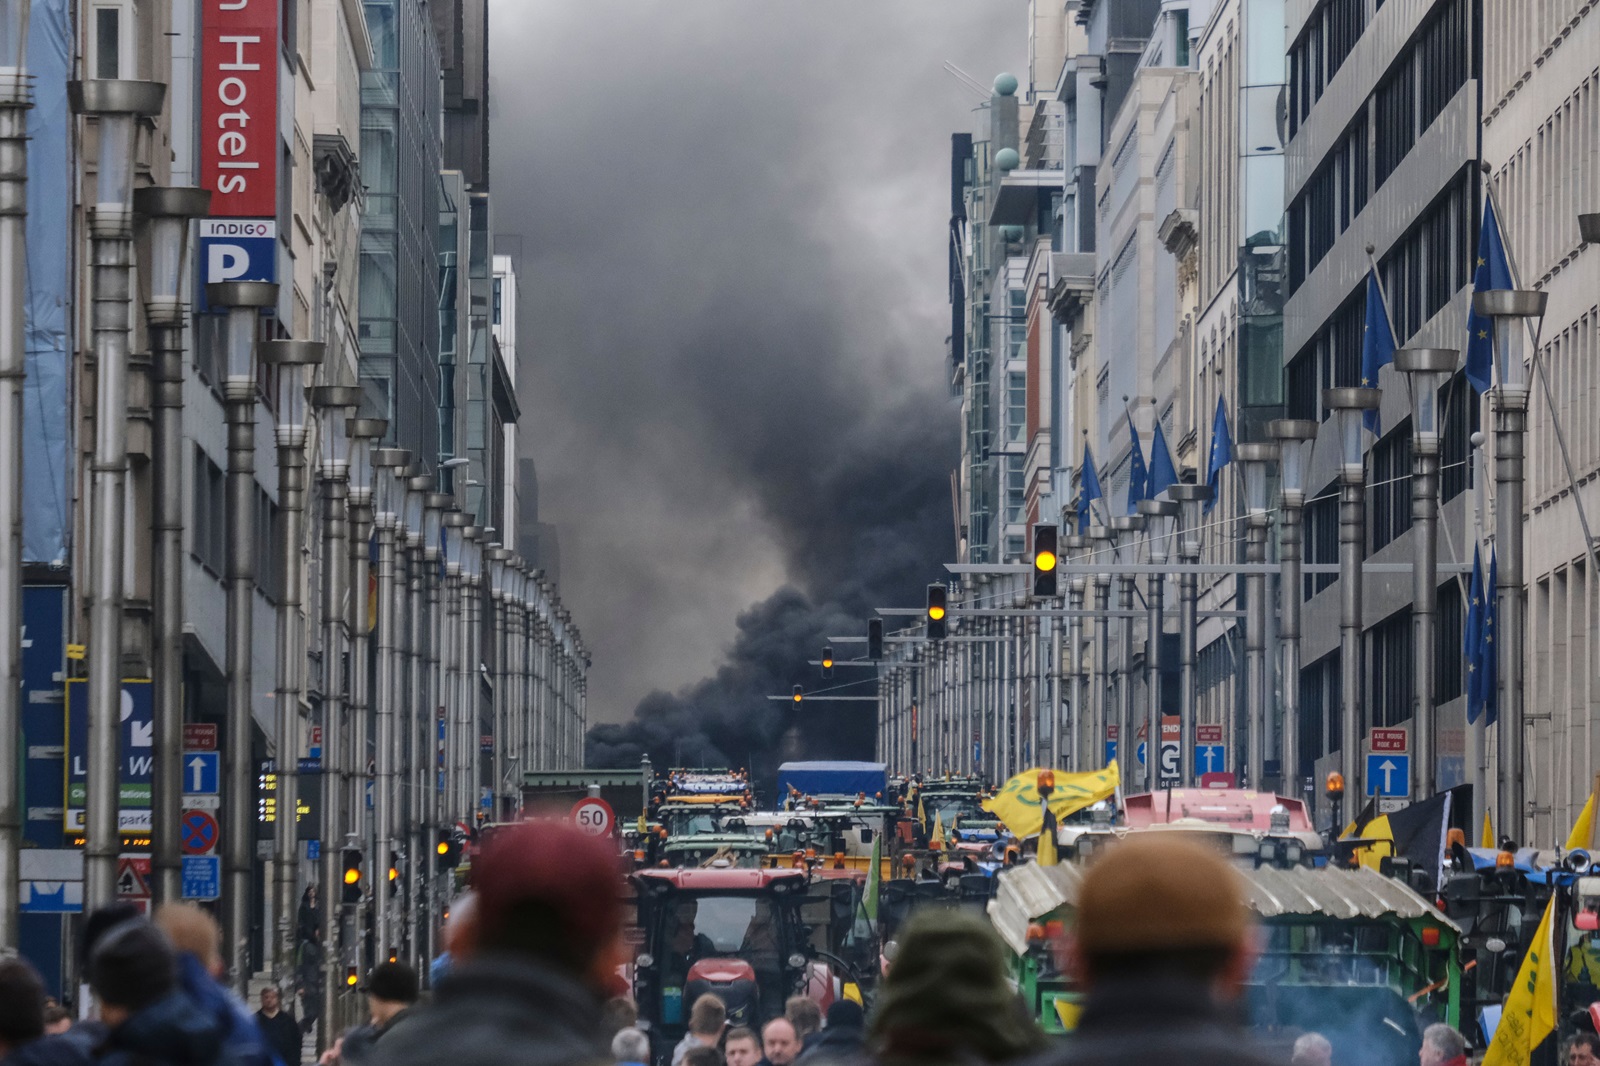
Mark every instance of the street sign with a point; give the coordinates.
(1210, 758)
(1390, 804)
(192, 802)
(315, 752)
(133, 876)
(1388, 775)
(1170, 751)
(486, 743)
(202, 876)
(1208, 734)
(197, 832)
(594, 816)
(237, 249)
(199, 736)
(1217, 780)
(1111, 744)
(136, 761)
(313, 849)
(1389, 741)
(1138, 753)
(202, 771)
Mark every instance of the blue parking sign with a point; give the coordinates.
(202, 877)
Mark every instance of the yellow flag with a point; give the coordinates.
(1583, 828)
(1377, 830)
(1530, 1010)
(922, 813)
(936, 840)
(1487, 840)
(1048, 856)
(1017, 805)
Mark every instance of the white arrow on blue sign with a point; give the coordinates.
(202, 771)
(1211, 758)
(1388, 774)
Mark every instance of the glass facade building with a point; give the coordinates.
(401, 107)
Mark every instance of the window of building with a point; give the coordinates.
(1321, 536)
(208, 515)
(1014, 548)
(1461, 415)
(1389, 665)
(1433, 261)
(1016, 406)
(1389, 495)
(1016, 489)
(1449, 664)
(1321, 692)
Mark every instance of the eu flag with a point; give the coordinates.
(1221, 453)
(1377, 344)
(1137, 474)
(1091, 490)
(1493, 272)
(1163, 474)
(1483, 664)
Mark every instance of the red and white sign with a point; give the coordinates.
(1111, 732)
(239, 107)
(1208, 734)
(1389, 741)
(1217, 780)
(594, 816)
(133, 876)
(199, 736)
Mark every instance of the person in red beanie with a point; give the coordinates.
(529, 974)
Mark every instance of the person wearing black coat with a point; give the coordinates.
(148, 1019)
(23, 1041)
(842, 1040)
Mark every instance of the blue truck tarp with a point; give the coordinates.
(833, 778)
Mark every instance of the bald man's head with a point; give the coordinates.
(779, 1042)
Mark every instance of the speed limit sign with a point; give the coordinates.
(594, 816)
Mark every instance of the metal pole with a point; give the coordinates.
(499, 609)
(360, 760)
(1099, 680)
(428, 753)
(1290, 539)
(15, 100)
(383, 788)
(1127, 730)
(1424, 609)
(1510, 405)
(112, 252)
(1079, 758)
(419, 726)
(291, 509)
(1255, 648)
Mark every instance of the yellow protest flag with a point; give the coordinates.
(1530, 1010)
(936, 838)
(1017, 804)
(1487, 840)
(1583, 829)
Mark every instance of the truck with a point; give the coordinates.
(832, 779)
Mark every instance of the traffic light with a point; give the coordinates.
(875, 639)
(352, 977)
(448, 850)
(827, 661)
(352, 875)
(798, 694)
(394, 873)
(1044, 560)
(936, 611)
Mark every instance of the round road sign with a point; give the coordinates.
(197, 831)
(594, 816)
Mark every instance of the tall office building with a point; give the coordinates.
(401, 117)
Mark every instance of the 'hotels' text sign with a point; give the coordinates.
(239, 107)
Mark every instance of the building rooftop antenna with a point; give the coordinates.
(967, 80)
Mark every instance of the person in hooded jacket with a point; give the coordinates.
(527, 981)
(947, 998)
(23, 1040)
(842, 1040)
(197, 941)
(149, 1020)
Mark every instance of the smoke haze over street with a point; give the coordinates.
(734, 230)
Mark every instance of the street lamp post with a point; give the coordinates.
(455, 524)
(1295, 437)
(118, 106)
(388, 491)
(1428, 369)
(1510, 309)
(364, 434)
(1078, 757)
(333, 404)
(289, 358)
(1348, 405)
(1190, 499)
(168, 211)
(498, 559)
(434, 506)
(467, 677)
(418, 719)
(1256, 459)
(1102, 538)
(15, 100)
(1125, 528)
(1160, 523)
(244, 301)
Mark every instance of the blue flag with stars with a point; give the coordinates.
(1221, 453)
(1091, 490)
(1137, 474)
(1493, 272)
(1377, 344)
(1163, 474)
(1483, 663)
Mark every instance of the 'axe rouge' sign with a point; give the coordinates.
(239, 107)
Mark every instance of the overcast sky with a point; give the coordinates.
(734, 218)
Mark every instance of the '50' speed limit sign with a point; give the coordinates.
(594, 816)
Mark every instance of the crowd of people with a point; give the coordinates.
(1163, 949)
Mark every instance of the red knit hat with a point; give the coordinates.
(577, 876)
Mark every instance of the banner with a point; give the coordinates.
(239, 107)
(1017, 805)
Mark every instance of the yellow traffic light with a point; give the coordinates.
(350, 977)
(443, 848)
(352, 876)
(798, 695)
(936, 612)
(394, 875)
(1045, 561)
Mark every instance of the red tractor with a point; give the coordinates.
(753, 937)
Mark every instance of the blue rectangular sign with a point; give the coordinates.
(236, 249)
(202, 773)
(1210, 758)
(1388, 774)
(138, 748)
(202, 876)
